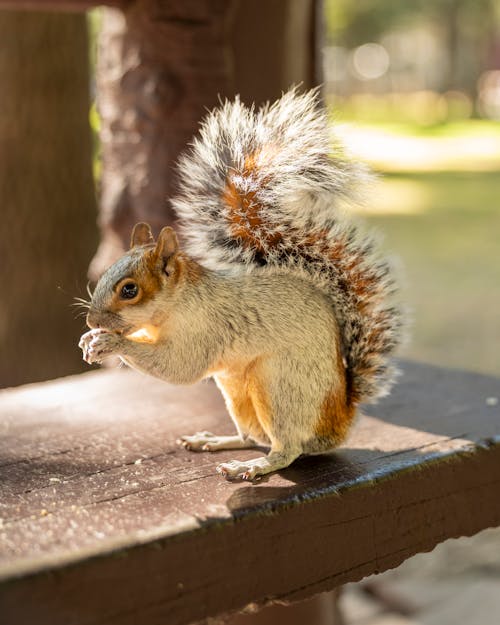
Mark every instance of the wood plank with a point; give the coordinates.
(104, 518)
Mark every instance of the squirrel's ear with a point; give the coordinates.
(167, 244)
(141, 234)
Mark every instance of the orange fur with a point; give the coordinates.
(245, 211)
(335, 417)
(258, 395)
(240, 404)
(337, 410)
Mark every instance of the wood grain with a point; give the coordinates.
(104, 518)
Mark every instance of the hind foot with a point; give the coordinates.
(250, 469)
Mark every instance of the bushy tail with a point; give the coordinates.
(263, 188)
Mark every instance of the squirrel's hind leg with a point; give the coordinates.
(206, 441)
(269, 423)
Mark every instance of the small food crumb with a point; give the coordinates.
(491, 401)
(54, 479)
(146, 334)
(43, 512)
(138, 461)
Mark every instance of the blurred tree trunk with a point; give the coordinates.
(46, 192)
(452, 23)
(161, 64)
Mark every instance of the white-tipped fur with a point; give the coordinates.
(298, 174)
(296, 178)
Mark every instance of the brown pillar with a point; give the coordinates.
(46, 193)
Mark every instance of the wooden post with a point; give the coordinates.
(46, 193)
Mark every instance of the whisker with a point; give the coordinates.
(91, 295)
(81, 303)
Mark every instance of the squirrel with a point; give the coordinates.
(277, 294)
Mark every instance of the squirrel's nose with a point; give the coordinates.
(91, 320)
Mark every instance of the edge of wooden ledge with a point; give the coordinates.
(344, 537)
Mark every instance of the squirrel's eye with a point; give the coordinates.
(129, 290)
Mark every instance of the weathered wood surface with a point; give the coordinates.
(104, 518)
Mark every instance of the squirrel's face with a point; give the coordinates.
(127, 296)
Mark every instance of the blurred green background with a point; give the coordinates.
(415, 91)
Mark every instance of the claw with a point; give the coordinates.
(222, 471)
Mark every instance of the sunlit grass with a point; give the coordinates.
(464, 146)
(449, 245)
(437, 203)
(394, 196)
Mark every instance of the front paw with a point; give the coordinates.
(98, 344)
